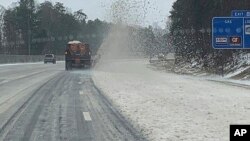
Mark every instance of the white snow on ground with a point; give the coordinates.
(15, 64)
(243, 65)
(239, 71)
(223, 79)
(171, 107)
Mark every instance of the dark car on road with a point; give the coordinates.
(49, 58)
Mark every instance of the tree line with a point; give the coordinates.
(39, 28)
(191, 22)
(32, 28)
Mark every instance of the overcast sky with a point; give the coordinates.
(157, 10)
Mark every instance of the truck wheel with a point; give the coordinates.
(90, 64)
(68, 66)
(83, 66)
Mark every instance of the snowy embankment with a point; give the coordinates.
(16, 64)
(171, 107)
(8, 59)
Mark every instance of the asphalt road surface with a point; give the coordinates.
(42, 102)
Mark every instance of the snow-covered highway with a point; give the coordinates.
(42, 102)
(122, 99)
(171, 107)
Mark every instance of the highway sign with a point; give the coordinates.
(232, 32)
(228, 33)
(240, 13)
(247, 32)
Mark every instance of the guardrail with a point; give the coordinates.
(4, 59)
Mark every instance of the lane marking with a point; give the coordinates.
(4, 81)
(86, 116)
(22, 76)
(81, 92)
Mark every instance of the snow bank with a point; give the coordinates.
(16, 64)
(170, 107)
(7, 59)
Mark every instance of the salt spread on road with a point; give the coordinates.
(167, 106)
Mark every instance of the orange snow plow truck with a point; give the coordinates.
(77, 54)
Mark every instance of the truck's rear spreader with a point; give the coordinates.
(77, 55)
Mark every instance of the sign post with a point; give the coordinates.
(240, 13)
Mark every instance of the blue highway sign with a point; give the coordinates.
(240, 13)
(228, 33)
(247, 33)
